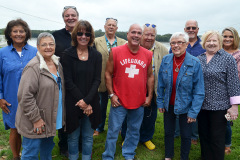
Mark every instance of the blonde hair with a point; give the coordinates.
(235, 36)
(209, 34)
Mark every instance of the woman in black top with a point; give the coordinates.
(82, 71)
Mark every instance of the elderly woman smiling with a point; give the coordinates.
(222, 95)
(41, 101)
(180, 92)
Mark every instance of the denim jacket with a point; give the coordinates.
(189, 86)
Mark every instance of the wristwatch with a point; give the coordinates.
(110, 95)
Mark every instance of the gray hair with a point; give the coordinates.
(180, 34)
(64, 10)
(44, 35)
(107, 19)
(150, 26)
(193, 21)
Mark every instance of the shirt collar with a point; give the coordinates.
(108, 41)
(26, 47)
(153, 47)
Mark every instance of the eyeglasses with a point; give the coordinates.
(51, 45)
(153, 25)
(66, 7)
(59, 82)
(193, 28)
(86, 34)
(178, 43)
(112, 18)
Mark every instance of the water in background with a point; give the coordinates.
(33, 42)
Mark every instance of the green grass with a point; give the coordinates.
(142, 153)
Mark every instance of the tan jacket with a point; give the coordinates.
(38, 96)
(101, 46)
(159, 51)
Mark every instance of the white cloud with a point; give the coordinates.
(169, 16)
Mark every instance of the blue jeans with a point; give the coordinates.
(116, 118)
(103, 104)
(87, 140)
(148, 124)
(194, 129)
(228, 136)
(185, 131)
(31, 148)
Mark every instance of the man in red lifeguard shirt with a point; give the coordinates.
(128, 79)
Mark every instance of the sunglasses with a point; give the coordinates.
(153, 25)
(86, 34)
(111, 18)
(66, 7)
(193, 28)
(59, 82)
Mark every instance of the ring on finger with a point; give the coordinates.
(37, 129)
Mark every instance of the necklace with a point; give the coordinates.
(177, 69)
(82, 55)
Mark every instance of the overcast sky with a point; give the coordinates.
(169, 15)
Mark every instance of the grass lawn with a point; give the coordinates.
(142, 153)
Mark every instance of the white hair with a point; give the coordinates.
(180, 34)
(44, 35)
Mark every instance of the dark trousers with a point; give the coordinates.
(212, 129)
(103, 104)
(185, 132)
(63, 144)
(148, 124)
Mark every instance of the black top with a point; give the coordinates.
(62, 40)
(79, 77)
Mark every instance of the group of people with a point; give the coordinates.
(66, 82)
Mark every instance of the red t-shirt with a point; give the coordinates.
(179, 61)
(130, 75)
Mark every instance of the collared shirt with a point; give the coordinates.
(109, 45)
(221, 82)
(194, 50)
(11, 67)
(153, 65)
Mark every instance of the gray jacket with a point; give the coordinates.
(38, 96)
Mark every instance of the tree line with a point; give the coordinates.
(98, 33)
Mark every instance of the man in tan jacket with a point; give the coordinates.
(150, 113)
(103, 45)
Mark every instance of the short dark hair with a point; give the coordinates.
(82, 25)
(17, 22)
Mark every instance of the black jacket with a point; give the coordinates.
(72, 73)
(63, 41)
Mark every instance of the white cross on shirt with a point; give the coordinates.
(132, 71)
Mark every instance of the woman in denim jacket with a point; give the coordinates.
(180, 92)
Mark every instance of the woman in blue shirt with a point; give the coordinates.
(13, 59)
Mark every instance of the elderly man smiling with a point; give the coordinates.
(150, 113)
(127, 86)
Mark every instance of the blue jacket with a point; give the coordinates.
(189, 86)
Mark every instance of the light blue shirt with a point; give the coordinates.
(59, 112)
(11, 67)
